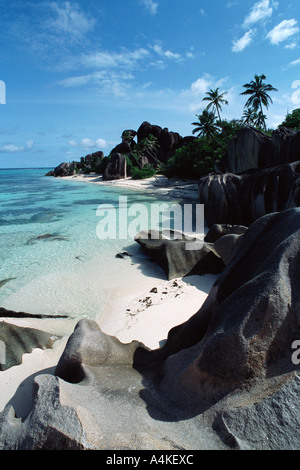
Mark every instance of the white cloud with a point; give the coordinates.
(101, 143)
(168, 54)
(88, 143)
(243, 42)
(295, 98)
(202, 85)
(259, 12)
(12, 148)
(283, 31)
(194, 95)
(114, 59)
(291, 46)
(150, 6)
(70, 20)
(295, 62)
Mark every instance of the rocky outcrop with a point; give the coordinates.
(180, 256)
(225, 379)
(116, 169)
(21, 340)
(124, 147)
(220, 195)
(285, 147)
(89, 347)
(248, 150)
(91, 162)
(254, 150)
(168, 141)
(242, 199)
(239, 343)
(65, 169)
(219, 230)
(49, 426)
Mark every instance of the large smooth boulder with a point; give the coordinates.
(49, 425)
(226, 378)
(247, 151)
(65, 169)
(242, 199)
(251, 149)
(239, 344)
(124, 148)
(92, 161)
(285, 147)
(116, 169)
(168, 141)
(220, 195)
(180, 256)
(219, 230)
(88, 347)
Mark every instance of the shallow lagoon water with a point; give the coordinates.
(51, 260)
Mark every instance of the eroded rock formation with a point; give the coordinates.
(117, 168)
(253, 150)
(242, 199)
(223, 379)
(182, 256)
(258, 175)
(21, 340)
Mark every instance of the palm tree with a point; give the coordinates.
(249, 117)
(260, 120)
(206, 125)
(216, 101)
(259, 97)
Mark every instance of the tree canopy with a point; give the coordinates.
(258, 96)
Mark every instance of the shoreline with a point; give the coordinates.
(172, 187)
(142, 305)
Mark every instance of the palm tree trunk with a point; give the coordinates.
(226, 137)
(262, 114)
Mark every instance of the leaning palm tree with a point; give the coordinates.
(216, 101)
(206, 125)
(259, 97)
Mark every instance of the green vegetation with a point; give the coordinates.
(292, 120)
(206, 125)
(197, 158)
(216, 100)
(146, 172)
(212, 135)
(138, 166)
(258, 98)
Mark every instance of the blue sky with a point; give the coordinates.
(78, 73)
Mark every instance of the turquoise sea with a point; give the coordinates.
(51, 260)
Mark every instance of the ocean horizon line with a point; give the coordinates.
(28, 168)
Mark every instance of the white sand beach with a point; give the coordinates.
(160, 184)
(142, 305)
